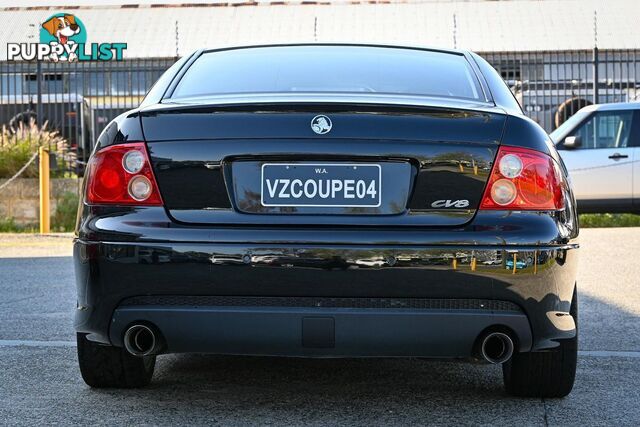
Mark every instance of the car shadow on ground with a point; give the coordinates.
(329, 391)
(386, 391)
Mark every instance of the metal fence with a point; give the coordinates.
(553, 85)
(79, 99)
(75, 99)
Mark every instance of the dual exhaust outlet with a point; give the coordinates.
(143, 340)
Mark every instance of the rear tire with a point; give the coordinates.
(544, 374)
(104, 366)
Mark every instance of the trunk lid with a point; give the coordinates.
(228, 164)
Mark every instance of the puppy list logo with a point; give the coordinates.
(63, 37)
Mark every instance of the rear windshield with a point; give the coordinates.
(330, 69)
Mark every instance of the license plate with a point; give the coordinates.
(321, 184)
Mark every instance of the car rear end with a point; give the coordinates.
(408, 218)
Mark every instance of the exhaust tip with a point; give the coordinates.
(497, 347)
(141, 340)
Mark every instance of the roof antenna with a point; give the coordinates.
(455, 32)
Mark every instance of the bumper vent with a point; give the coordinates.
(384, 303)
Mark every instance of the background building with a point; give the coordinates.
(556, 55)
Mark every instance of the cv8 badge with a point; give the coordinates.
(450, 204)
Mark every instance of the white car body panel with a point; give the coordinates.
(636, 174)
(597, 177)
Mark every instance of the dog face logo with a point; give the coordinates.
(62, 27)
(63, 30)
(321, 124)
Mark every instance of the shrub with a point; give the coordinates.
(18, 145)
(66, 209)
(8, 225)
(609, 220)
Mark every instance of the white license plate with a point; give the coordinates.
(321, 184)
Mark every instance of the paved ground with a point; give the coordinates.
(40, 383)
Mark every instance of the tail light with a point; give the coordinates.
(122, 175)
(524, 179)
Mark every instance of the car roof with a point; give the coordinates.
(614, 106)
(340, 44)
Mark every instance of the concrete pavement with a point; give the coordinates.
(40, 382)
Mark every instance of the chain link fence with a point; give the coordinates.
(77, 100)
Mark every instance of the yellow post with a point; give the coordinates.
(44, 190)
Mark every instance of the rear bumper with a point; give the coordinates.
(540, 285)
(323, 331)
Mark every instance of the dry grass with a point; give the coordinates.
(18, 145)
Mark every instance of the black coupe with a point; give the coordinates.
(328, 200)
